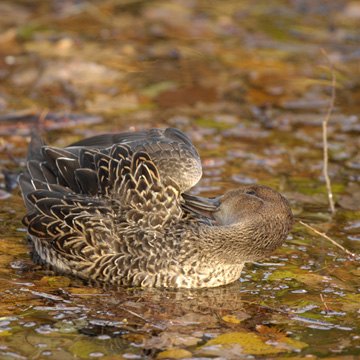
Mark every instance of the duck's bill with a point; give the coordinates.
(200, 206)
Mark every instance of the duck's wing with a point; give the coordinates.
(118, 173)
(170, 149)
(117, 176)
(94, 209)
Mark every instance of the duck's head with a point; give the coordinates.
(249, 202)
(253, 220)
(242, 204)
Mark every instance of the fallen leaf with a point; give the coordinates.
(5, 333)
(228, 351)
(174, 354)
(232, 319)
(251, 343)
(194, 319)
(168, 339)
(59, 281)
(83, 348)
(291, 345)
(270, 331)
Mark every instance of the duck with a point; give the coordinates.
(115, 209)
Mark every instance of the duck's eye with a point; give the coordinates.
(251, 192)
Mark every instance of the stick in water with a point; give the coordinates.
(324, 128)
(331, 240)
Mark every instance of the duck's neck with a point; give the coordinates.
(244, 241)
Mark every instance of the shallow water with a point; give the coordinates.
(250, 86)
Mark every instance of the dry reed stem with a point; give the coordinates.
(325, 133)
(330, 239)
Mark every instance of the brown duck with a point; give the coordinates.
(112, 208)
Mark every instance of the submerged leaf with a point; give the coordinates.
(251, 343)
(257, 345)
(232, 319)
(59, 281)
(174, 354)
(5, 333)
(83, 348)
(294, 344)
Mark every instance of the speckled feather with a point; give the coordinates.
(112, 209)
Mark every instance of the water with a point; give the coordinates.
(258, 120)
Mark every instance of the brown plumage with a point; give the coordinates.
(112, 208)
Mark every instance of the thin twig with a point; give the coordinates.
(324, 128)
(142, 318)
(325, 305)
(133, 313)
(331, 240)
